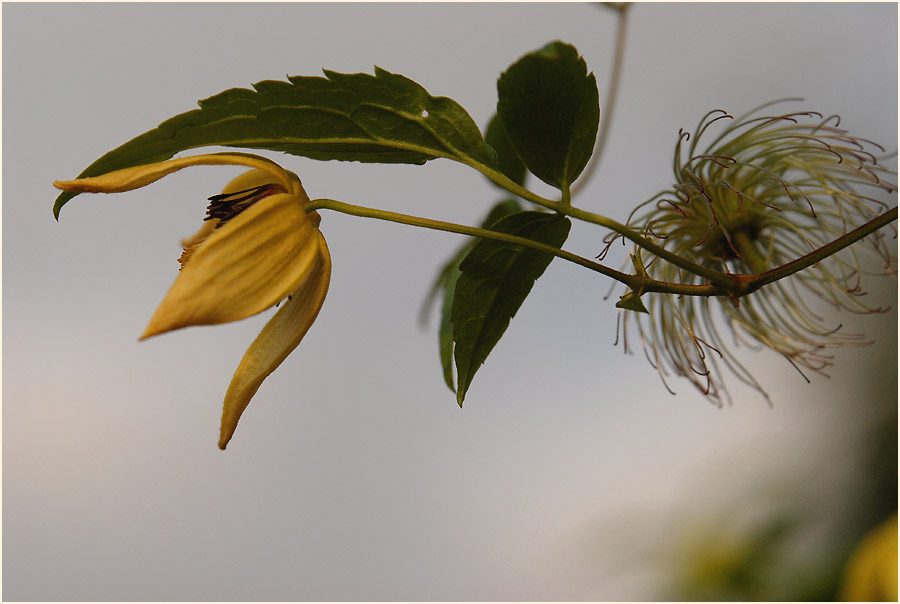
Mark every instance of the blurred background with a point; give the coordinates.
(571, 473)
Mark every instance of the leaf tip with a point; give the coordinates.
(60, 202)
(461, 392)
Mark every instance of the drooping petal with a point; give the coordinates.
(128, 179)
(276, 341)
(249, 264)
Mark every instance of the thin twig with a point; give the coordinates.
(611, 95)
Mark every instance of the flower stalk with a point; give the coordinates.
(770, 276)
(449, 227)
(733, 286)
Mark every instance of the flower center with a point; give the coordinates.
(225, 206)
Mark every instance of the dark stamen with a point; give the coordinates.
(225, 206)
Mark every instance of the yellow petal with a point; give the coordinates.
(252, 179)
(253, 261)
(247, 180)
(258, 178)
(871, 575)
(140, 176)
(205, 231)
(276, 341)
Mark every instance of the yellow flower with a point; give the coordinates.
(871, 575)
(258, 247)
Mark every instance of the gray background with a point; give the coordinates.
(354, 475)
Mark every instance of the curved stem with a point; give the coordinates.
(725, 283)
(713, 276)
(754, 282)
(732, 285)
(564, 206)
(566, 200)
(612, 90)
(355, 210)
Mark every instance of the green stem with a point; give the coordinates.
(355, 210)
(566, 200)
(734, 285)
(612, 90)
(632, 281)
(753, 283)
(713, 276)
(737, 285)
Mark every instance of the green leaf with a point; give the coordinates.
(549, 106)
(381, 118)
(632, 301)
(445, 331)
(446, 285)
(495, 278)
(509, 162)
